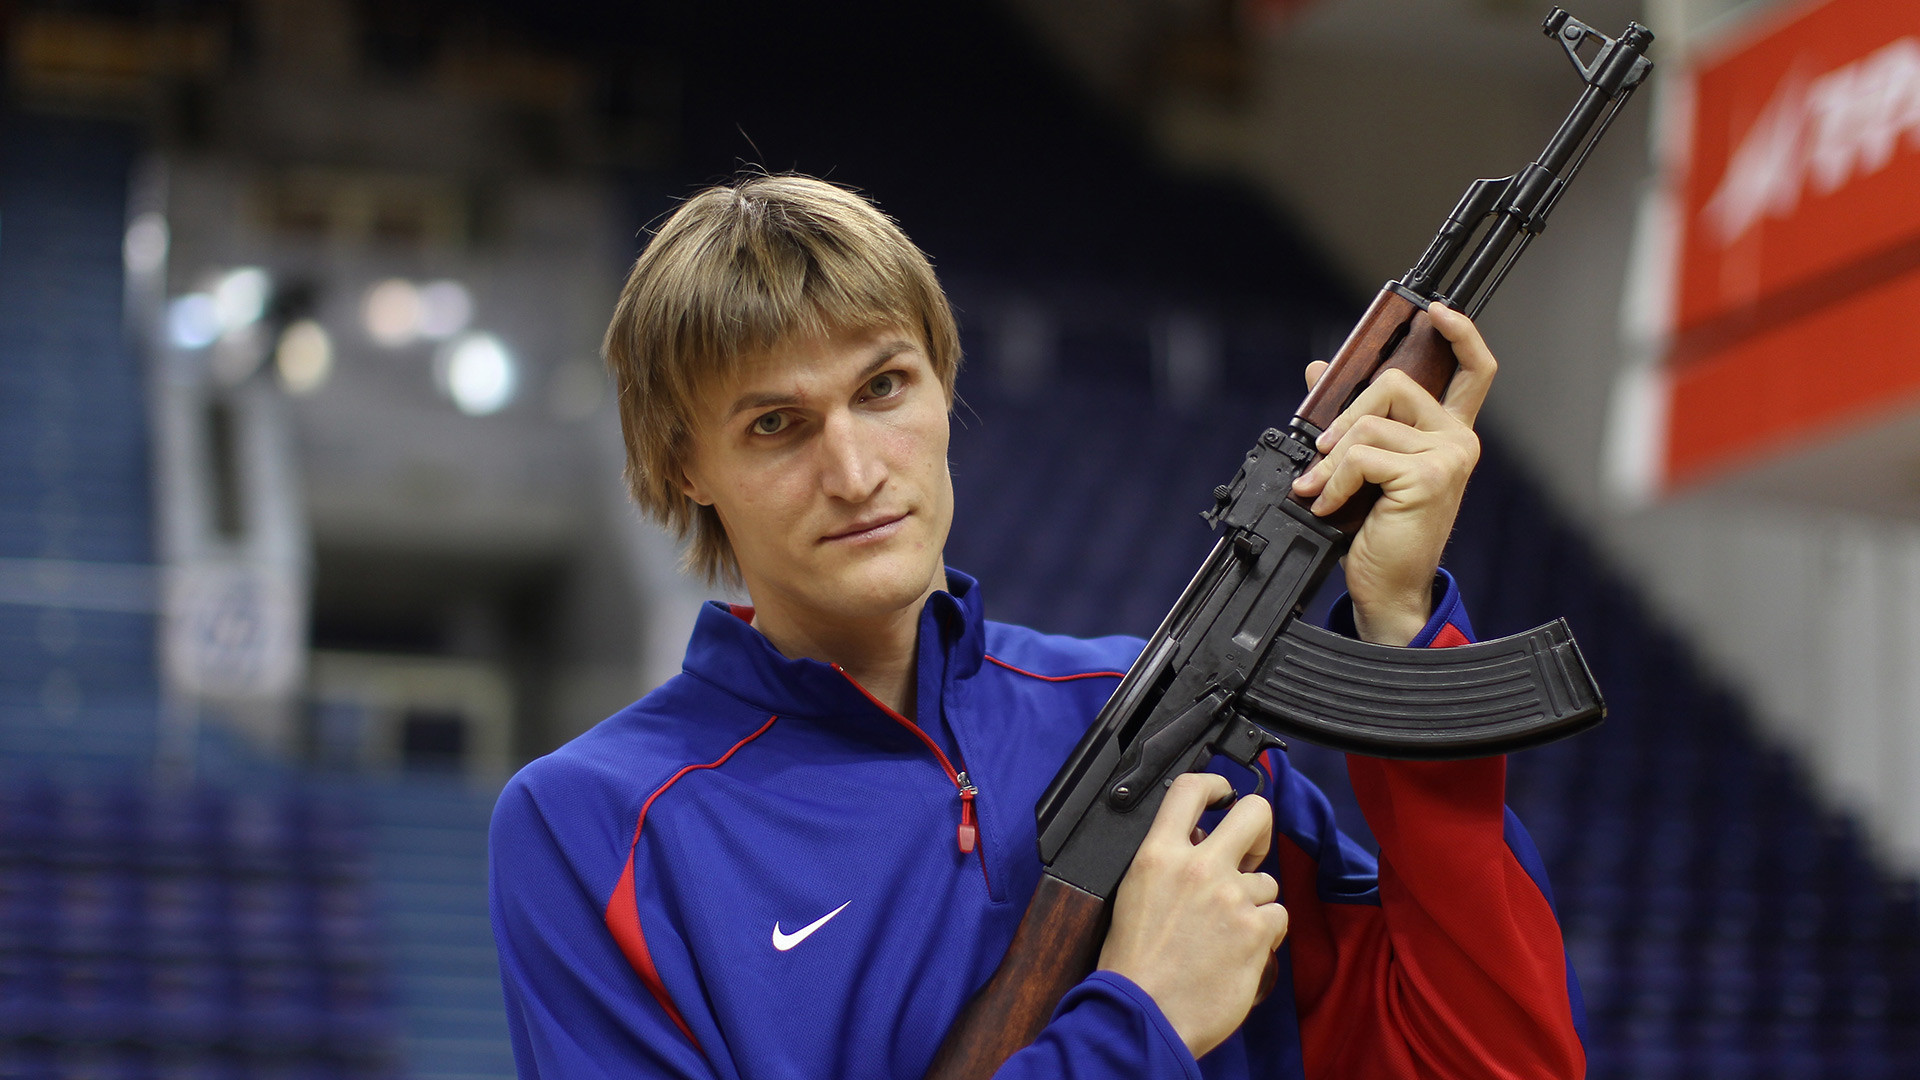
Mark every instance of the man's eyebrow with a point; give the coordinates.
(759, 401)
(886, 354)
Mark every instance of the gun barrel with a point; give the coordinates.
(1520, 211)
(1523, 206)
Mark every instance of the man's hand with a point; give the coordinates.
(1192, 925)
(1420, 452)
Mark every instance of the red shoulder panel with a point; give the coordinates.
(623, 912)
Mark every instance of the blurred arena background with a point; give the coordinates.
(312, 528)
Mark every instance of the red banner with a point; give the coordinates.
(1798, 306)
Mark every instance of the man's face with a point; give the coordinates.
(826, 459)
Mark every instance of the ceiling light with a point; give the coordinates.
(241, 298)
(304, 357)
(392, 313)
(144, 249)
(478, 373)
(192, 321)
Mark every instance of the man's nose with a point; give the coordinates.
(850, 469)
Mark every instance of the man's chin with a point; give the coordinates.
(873, 591)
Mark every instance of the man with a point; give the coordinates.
(801, 856)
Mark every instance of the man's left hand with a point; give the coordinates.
(1420, 453)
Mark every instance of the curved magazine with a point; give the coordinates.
(1430, 704)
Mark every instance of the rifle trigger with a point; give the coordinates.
(1244, 742)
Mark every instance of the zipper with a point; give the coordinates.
(967, 836)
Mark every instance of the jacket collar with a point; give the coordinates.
(729, 653)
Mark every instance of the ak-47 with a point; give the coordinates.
(1233, 667)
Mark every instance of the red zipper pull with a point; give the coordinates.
(968, 834)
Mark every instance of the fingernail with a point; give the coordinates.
(1325, 442)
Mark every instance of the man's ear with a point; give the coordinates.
(691, 489)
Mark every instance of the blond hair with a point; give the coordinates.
(736, 271)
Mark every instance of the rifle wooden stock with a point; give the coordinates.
(1056, 946)
(1395, 334)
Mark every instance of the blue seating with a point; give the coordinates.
(193, 929)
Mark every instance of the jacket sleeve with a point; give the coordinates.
(1106, 1028)
(1451, 960)
(575, 1008)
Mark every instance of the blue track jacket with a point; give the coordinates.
(760, 871)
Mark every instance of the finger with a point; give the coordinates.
(1395, 396)
(1360, 466)
(1261, 888)
(1314, 371)
(1375, 431)
(1186, 800)
(1279, 921)
(1244, 836)
(1468, 390)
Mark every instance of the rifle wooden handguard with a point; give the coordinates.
(1395, 334)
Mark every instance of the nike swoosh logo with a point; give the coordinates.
(783, 942)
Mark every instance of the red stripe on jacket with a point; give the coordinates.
(1058, 678)
(623, 912)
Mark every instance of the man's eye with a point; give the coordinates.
(883, 385)
(770, 424)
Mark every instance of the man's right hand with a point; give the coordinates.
(1193, 924)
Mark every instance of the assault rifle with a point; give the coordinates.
(1233, 667)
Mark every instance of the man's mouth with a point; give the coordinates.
(868, 529)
